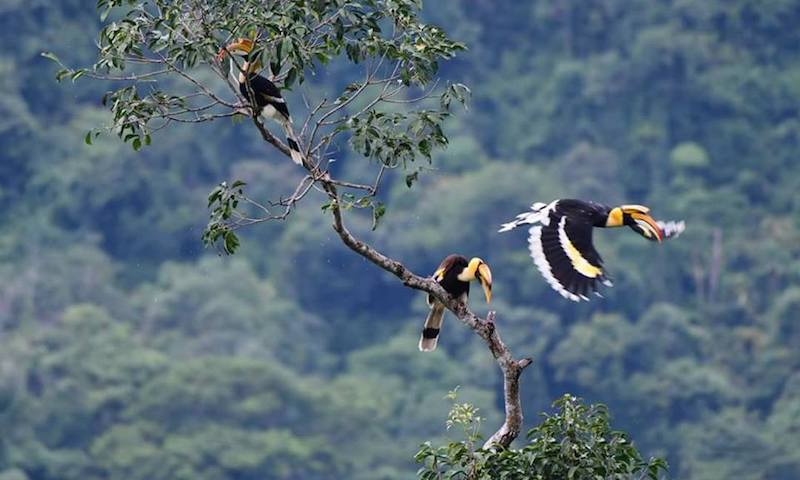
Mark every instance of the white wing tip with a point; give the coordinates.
(672, 228)
(507, 226)
(537, 254)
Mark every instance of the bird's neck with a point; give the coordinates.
(468, 274)
(239, 73)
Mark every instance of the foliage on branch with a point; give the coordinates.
(575, 442)
(161, 52)
(223, 202)
(158, 41)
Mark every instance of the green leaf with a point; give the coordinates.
(104, 14)
(88, 138)
(215, 195)
(571, 472)
(231, 242)
(291, 75)
(78, 74)
(425, 148)
(62, 73)
(51, 56)
(411, 178)
(378, 211)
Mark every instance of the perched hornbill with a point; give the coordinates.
(560, 240)
(454, 275)
(262, 94)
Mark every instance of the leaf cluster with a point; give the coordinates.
(574, 442)
(162, 43)
(223, 202)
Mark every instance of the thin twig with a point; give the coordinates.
(141, 77)
(311, 115)
(196, 83)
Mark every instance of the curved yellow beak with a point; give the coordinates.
(242, 46)
(648, 226)
(485, 277)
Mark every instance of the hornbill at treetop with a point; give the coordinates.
(454, 275)
(262, 94)
(560, 240)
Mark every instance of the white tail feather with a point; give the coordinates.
(672, 229)
(433, 321)
(538, 214)
(294, 145)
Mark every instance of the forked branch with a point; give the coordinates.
(486, 329)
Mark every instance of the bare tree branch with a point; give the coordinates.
(510, 368)
(396, 60)
(270, 138)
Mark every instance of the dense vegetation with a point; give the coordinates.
(128, 351)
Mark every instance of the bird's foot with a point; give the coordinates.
(489, 322)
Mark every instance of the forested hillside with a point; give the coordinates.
(130, 352)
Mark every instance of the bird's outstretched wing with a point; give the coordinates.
(563, 252)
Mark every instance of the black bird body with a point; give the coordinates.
(454, 274)
(592, 213)
(560, 240)
(447, 275)
(263, 95)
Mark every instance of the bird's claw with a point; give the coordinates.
(490, 321)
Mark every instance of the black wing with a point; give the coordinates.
(564, 254)
(266, 93)
(580, 236)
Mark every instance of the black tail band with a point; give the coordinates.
(430, 332)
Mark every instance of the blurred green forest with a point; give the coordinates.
(128, 351)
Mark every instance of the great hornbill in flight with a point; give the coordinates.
(454, 275)
(262, 94)
(560, 240)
